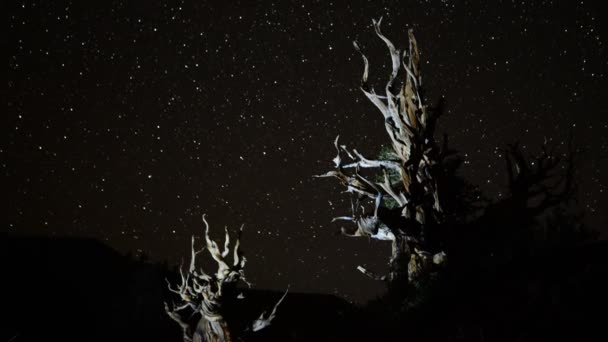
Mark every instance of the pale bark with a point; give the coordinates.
(410, 125)
(204, 294)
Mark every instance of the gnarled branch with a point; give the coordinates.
(204, 293)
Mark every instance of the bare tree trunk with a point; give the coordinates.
(400, 257)
(212, 331)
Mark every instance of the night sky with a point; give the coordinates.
(128, 120)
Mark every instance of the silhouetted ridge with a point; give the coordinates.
(72, 289)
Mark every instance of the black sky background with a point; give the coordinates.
(128, 120)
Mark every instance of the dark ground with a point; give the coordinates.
(65, 289)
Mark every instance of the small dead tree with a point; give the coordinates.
(539, 183)
(204, 294)
(416, 161)
(536, 185)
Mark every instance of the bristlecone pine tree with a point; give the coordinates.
(205, 294)
(408, 177)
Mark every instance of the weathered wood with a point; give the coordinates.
(204, 294)
(410, 125)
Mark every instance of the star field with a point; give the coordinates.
(127, 121)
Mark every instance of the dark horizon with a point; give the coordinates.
(120, 298)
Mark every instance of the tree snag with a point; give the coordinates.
(415, 161)
(204, 294)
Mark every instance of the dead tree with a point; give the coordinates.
(415, 158)
(204, 294)
(539, 183)
(535, 186)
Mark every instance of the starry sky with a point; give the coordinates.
(127, 120)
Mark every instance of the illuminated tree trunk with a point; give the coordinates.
(408, 177)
